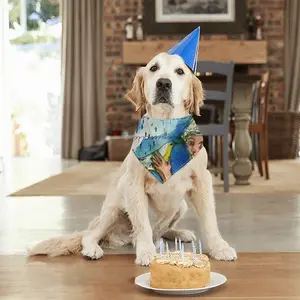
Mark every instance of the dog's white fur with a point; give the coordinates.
(124, 217)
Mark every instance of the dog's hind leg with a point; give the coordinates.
(120, 235)
(170, 232)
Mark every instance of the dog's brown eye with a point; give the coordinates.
(179, 71)
(154, 68)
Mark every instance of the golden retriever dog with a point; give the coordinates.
(124, 218)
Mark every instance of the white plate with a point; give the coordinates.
(216, 279)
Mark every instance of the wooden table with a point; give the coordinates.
(272, 276)
(241, 107)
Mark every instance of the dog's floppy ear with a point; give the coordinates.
(136, 95)
(196, 97)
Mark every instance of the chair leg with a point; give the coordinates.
(260, 154)
(221, 155)
(216, 153)
(210, 149)
(225, 157)
(266, 154)
(213, 150)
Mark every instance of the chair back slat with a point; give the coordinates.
(261, 99)
(255, 103)
(215, 67)
(216, 95)
(264, 96)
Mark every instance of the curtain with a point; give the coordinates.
(292, 56)
(83, 84)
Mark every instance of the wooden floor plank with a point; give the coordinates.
(256, 276)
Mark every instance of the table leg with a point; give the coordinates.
(242, 146)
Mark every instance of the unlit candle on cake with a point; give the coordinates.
(200, 248)
(194, 252)
(161, 247)
(182, 252)
(167, 249)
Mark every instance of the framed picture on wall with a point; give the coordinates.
(182, 16)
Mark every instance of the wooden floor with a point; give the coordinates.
(256, 276)
(255, 223)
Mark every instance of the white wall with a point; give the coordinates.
(5, 126)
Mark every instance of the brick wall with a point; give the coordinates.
(273, 14)
(120, 113)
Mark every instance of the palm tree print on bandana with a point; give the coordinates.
(166, 146)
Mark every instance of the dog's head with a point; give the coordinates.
(166, 88)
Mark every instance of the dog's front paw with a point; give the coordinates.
(222, 251)
(184, 235)
(145, 256)
(144, 259)
(92, 251)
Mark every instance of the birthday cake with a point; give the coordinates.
(180, 270)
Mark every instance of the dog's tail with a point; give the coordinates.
(58, 246)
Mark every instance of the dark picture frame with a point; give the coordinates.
(151, 27)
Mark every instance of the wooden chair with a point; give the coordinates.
(259, 125)
(225, 98)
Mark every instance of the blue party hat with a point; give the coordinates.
(187, 49)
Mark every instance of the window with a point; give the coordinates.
(35, 37)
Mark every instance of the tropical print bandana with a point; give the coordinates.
(165, 146)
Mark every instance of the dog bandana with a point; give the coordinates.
(165, 146)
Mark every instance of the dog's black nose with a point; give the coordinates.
(164, 84)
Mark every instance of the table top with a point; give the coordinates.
(255, 276)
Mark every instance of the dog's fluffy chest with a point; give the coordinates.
(172, 191)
